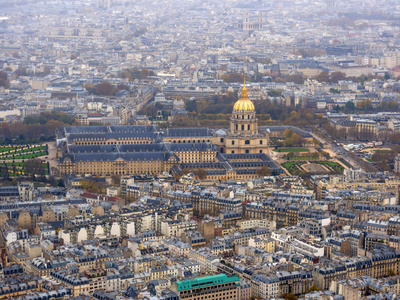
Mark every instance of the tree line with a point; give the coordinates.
(217, 110)
(39, 127)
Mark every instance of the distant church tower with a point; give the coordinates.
(103, 3)
(330, 3)
(260, 21)
(246, 21)
(247, 25)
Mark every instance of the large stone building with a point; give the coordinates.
(359, 130)
(234, 153)
(211, 287)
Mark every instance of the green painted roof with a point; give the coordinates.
(205, 281)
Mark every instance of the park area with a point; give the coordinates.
(22, 152)
(20, 160)
(316, 167)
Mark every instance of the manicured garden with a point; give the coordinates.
(295, 168)
(292, 166)
(22, 152)
(14, 160)
(15, 169)
(333, 166)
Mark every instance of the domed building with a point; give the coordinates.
(243, 120)
(233, 153)
(244, 135)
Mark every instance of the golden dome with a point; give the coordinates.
(243, 105)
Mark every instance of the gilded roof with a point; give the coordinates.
(243, 105)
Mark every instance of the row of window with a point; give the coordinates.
(189, 141)
(246, 142)
(248, 117)
(247, 151)
(237, 127)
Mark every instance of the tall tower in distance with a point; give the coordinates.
(246, 21)
(248, 25)
(260, 20)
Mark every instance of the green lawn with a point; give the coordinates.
(19, 168)
(293, 167)
(35, 149)
(18, 164)
(20, 149)
(333, 166)
(24, 156)
(4, 149)
(301, 158)
(291, 150)
(289, 164)
(21, 152)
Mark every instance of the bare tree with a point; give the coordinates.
(34, 167)
(55, 171)
(201, 174)
(264, 171)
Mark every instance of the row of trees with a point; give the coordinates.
(234, 77)
(40, 127)
(135, 73)
(93, 186)
(217, 105)
(291, 139)
(384, 158)
(31, 168)
(4, 79)
(366, 106)
(45, 117)
(101, 89)
(216, 112)
(353, 133)
(327, 77)
(200, 173)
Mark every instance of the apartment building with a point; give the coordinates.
(210, 287)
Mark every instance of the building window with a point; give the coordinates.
(222, 140)
(260, 142)
(247, 142)
(261, 151)
(237, 127)
(248, 127)
(242, 127)
(233, 152)
(247, 151)
(233, 142)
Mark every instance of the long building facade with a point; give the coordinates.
(235, 153)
